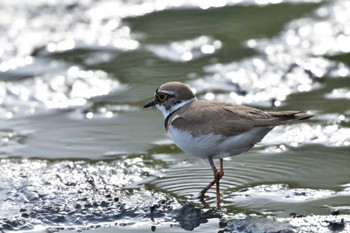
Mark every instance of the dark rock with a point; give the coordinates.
(336, 226)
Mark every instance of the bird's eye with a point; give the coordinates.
(161, 97)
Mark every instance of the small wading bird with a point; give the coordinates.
(214, 130)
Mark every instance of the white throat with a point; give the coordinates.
(173, 108)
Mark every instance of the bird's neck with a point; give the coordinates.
(168, 111)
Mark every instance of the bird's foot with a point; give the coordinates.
(200, 196)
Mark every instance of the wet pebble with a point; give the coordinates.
(65, 204)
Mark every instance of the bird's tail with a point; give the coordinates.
(284, 117)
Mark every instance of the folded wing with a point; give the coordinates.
(229, 119)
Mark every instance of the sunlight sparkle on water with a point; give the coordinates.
(186, 50)
(61, 90)
(61, 46)
(330, 135)
(339, 93)
(285, 65)
(209, 96)
(15, 63)
(89, 115)
(282, 193)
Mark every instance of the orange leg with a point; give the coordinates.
(216, 180)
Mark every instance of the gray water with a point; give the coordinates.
(78, 151)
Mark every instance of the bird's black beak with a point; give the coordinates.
(150, 104)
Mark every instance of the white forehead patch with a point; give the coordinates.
(167, 92)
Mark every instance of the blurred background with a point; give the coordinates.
(77, 148)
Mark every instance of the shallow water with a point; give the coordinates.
(78, 151)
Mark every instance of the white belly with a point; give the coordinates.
(216, 146)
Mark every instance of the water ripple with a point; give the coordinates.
(252, 179)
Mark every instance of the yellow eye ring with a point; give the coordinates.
(161, 97)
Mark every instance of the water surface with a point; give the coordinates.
(78, 151)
